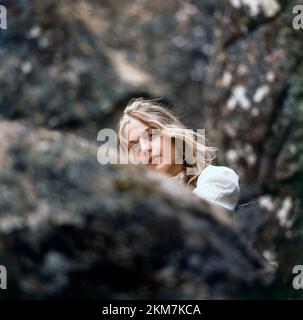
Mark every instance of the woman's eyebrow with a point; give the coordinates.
(146, 130)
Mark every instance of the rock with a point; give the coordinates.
(232, 67)
(70, 227)
(63, 74)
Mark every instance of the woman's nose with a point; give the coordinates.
(145, 145)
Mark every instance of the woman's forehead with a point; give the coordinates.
(134, 128)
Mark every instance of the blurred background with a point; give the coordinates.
(232, 67)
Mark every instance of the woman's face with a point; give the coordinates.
(149, 146)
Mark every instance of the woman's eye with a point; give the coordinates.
(135, 147)
(153, 135)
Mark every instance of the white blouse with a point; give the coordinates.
(218, 185)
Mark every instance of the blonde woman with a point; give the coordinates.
(152, 135)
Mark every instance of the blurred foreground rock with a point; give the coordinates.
(230, 65)
(70, 227)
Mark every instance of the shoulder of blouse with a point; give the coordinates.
(219, 185)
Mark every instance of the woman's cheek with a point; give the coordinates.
(156, 146)
(168, 151)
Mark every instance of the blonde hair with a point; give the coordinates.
(156, 116)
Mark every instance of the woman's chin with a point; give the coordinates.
(156, 167)
(160, 168)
